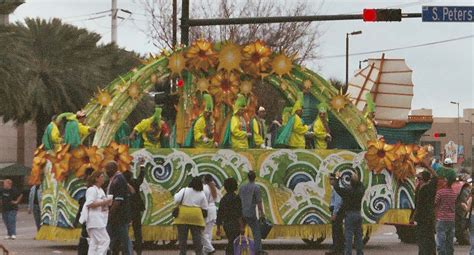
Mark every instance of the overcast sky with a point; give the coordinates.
(441, 73)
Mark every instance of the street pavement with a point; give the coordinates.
(383, 241)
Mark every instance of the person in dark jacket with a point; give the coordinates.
(229, 215)
(424, 214)
(137, 206)
(351, 204)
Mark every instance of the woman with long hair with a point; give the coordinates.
(192, 206)
(213, 196)
(95, 214)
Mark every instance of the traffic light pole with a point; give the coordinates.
(186, 22)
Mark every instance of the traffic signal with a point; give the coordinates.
(374, 15)
(438, 135)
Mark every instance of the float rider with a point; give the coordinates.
(52, 138)
(75, 130)
(321, 130)
(293, 133)
(201, 133)
(258, 129)
(237, 132)
(370, 113)
(151, 130)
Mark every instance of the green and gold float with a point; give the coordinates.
(294, 183)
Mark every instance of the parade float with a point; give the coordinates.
(294, 182)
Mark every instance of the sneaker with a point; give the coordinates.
(13, 237)
(7, 238)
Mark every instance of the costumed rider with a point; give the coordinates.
(237, 134)
(293, 133)
(370, 113)
(321, 130)
(52, 138)
(151, 131)
(258, 129)
(201, 133)
(76, 129)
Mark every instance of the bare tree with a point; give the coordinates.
(300, 38)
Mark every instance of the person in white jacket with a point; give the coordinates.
(213, 196)
(95, 213)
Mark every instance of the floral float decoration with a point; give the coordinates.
(399, 159)
(200, 55)
(65, 161)
(256, 58)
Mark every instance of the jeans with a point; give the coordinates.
(471, 251)
(338, 233)
(196, 233)
(353, 227)
(232, 231)
(9, 218)
(37, 216)
(254, 225)
(445, 237)
(119, 237)
(425, 232)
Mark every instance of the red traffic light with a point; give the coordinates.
(438, 135)
(373, 15)
(370, 15)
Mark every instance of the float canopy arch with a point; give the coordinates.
(231, 66)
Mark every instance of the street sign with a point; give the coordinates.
(448, 14)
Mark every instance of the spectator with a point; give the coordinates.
(230, 215)
(11, 197)
(34, 204)
(137, 206)
(95, 212)
(213, 196)
(463, 207)
(471, 251)
(351, 204)
(83, 246)
(251, 198)
(119, 217)
(192, 211)
(337, 216)
(445, 203)
(424, 211)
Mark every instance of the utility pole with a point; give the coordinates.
(185, 22)
(114, 21)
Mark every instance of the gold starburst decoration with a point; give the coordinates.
(200, 55)
(202, 84)
(281, 65)
(339, 101)
(134, 90)
(230, 58)
(103, 98)
(153, 78)
(224, 85)
(176, 63)
(115, 116)
(256, 58)
(246, 87)
(362, 128)
(307, 84)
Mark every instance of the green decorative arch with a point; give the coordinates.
(107, 119)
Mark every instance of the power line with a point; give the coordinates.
(86, 15)
(401, 48)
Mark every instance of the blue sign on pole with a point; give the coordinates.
(448, 13)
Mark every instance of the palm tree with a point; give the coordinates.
(54, 67)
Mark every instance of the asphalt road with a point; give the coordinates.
(383, 241)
